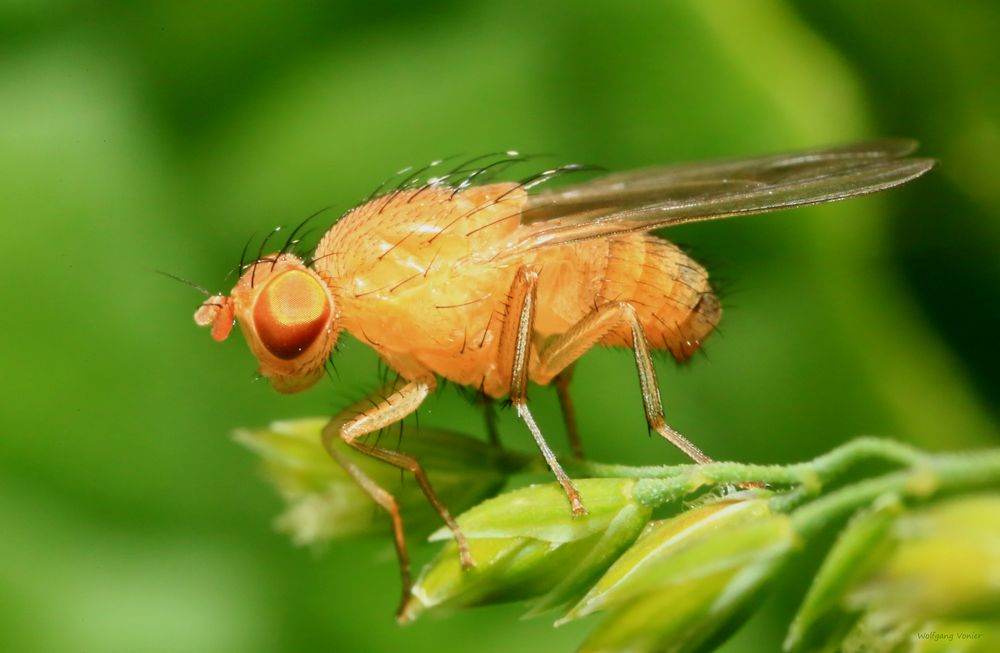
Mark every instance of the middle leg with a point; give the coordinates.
(514, 354)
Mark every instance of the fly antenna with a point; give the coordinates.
(185, 282)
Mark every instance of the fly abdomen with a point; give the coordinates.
(669, 291)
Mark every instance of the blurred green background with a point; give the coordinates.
(160, 135)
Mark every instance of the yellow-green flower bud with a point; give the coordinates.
(945, 565)
(823, 619)
(323, 502)
(870, 635)
(955, 637)
(689, 580)
(527, 545)
(921, 581)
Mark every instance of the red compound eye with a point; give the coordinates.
(292, 311)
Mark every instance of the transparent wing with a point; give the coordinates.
(644, 200)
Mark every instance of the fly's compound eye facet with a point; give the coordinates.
(292, 310)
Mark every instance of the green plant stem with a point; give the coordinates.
(923, 475)
(832, 464)
(934, 475)
(811, 475)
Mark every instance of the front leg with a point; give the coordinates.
(400, 399)
(513, 356)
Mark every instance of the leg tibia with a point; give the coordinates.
(565, 349)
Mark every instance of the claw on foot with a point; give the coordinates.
(576, 504)
(464, 555)
(466, 558)
(403, 612)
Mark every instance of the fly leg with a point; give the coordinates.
(403, 398)
(388, 502)
(515, 350)
(569, 415)
(562, 352)
(490, 415)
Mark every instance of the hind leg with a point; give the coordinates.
(562, 352)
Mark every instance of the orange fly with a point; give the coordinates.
(492, 287)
